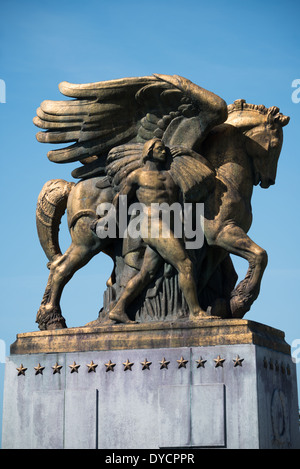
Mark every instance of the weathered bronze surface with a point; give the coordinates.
(151, 335)
(155, 140)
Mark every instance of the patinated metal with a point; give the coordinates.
(156, 140)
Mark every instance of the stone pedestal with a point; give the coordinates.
(216, 384)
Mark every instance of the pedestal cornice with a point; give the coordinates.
(208, 332)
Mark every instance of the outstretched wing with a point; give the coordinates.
(107, 114)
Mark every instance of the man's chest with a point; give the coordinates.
(156, 180)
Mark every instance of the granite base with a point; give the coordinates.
(236, 396)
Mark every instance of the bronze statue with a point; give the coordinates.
(157, 139)
(154, 185)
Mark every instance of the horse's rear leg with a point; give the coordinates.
(85, 245)
(234, 240)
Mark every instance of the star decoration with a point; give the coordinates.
(110, 366)
(128, 365)
(92, 367)
(56, 368)
(146, 364)
(201, 363)
(238, 361)
(164, 363)
(74, 367)
(219, 361)
(21, 370)
(39, 369)
(182, 363)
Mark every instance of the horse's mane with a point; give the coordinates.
(272, 113)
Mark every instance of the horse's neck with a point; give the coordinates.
(225, 149)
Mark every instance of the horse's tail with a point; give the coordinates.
(51, 205)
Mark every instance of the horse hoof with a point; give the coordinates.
(237, 307)
(56, 324)
(50, 318)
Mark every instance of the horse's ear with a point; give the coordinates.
(272, 113)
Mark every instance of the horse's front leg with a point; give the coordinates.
(234, 240)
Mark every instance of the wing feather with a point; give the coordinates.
(193, 174)
(121, 161)
(103, 115)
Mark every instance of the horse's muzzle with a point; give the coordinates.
(267, 183)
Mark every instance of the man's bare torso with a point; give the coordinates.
(154, 186)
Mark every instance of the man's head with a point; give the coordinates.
(155, 150)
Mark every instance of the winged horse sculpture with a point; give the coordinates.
(215, 155)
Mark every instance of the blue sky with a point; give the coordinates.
(237, 49)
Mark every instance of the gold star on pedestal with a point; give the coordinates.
(110, 366)
(164, 363)
(238, 361)
(21, 370)
(182, 363)
(92, 367)
(128, 365)
(146, 364)
(56, 368)
(219, 361)
(201, 363)
(74, 367)
(39, 369)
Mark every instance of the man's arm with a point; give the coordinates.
(128, 189)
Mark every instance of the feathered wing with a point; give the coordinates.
(121, 161)
(107, 114)
(101, 116)
(193, 174)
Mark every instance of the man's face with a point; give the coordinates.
(159, 151)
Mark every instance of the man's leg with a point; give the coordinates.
(172, 251)
(151, 263)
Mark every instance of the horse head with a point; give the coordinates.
(262, 129)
